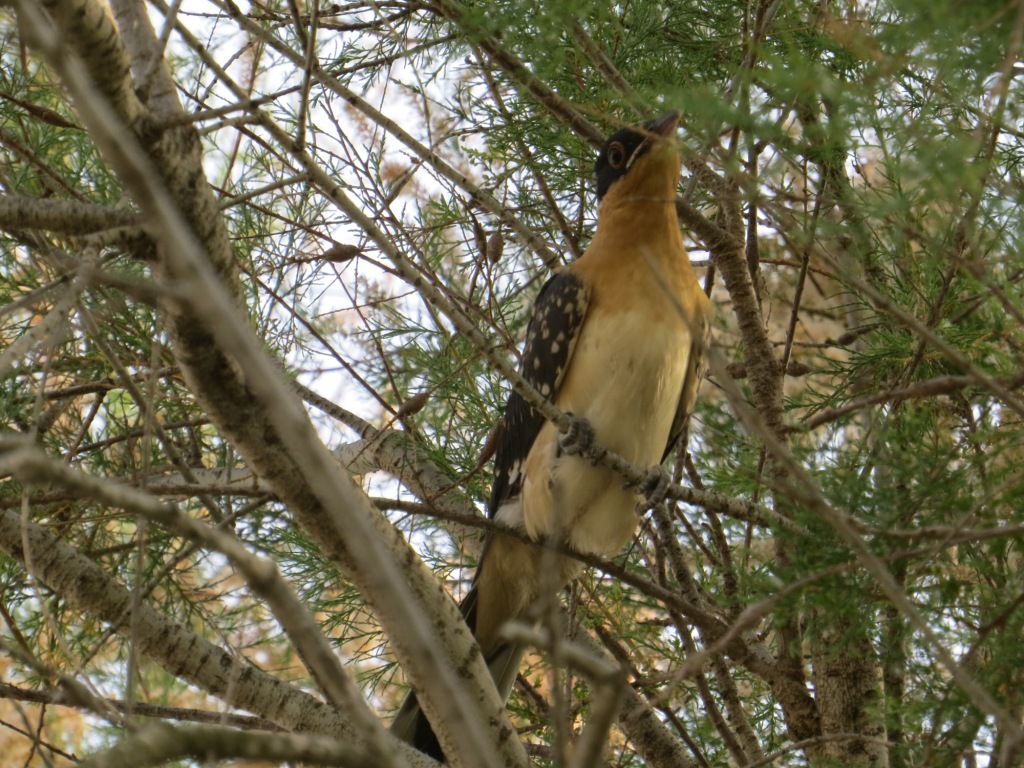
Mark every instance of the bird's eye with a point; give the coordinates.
(616, 155)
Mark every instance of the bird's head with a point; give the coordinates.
(640, 162)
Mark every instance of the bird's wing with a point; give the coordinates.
(551, 335)
(695, 368)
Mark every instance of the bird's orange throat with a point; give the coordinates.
(649, 186)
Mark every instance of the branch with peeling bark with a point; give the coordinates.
(69, 217)
(160, 743)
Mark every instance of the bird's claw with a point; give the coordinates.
(579, 438)
(654, 485)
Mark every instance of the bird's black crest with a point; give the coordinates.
(625, 146)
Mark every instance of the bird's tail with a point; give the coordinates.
(411, 726)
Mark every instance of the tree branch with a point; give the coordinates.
(68, 217)
(161, 743)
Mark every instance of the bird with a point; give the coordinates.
(617, 340)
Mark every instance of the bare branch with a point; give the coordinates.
(67, 217)
(158, 744)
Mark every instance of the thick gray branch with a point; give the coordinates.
(161, 743)
(87, 29)
(67, 217)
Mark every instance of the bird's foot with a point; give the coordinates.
(579, 438)
(654, 485)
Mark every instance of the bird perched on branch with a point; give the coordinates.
(616, 339)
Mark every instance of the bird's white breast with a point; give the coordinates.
(631, 370)
(625, 379)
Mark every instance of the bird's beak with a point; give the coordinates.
(664, 125)
(661, 128)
